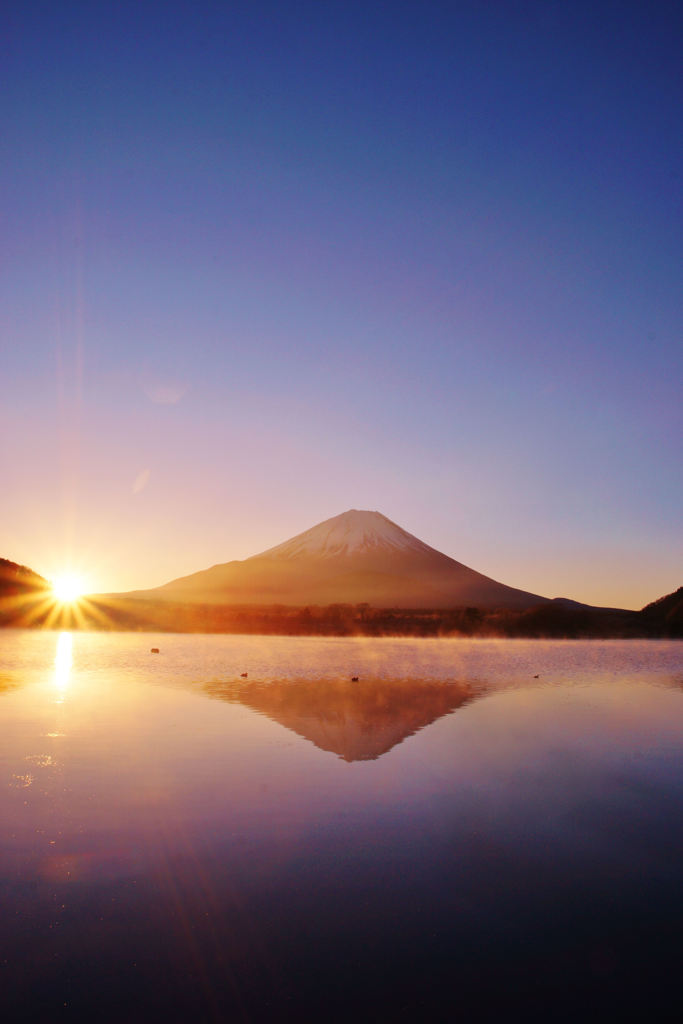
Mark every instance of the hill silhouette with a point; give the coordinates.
(22, 593)
(665, 614)
(18, 579)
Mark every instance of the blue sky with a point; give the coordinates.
(263, 263)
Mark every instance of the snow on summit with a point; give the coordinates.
(351, 533)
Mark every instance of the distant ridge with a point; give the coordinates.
(356, 557)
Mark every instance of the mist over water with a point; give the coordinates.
(354, 828)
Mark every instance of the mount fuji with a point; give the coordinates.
(354, 557)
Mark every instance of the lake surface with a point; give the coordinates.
(472, 828)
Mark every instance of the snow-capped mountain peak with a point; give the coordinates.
(351, 533)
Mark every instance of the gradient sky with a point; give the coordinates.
(265, 262)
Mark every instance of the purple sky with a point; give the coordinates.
(263, 263)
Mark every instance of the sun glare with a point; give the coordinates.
(68, 589)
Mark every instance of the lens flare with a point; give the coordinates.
(68, 589)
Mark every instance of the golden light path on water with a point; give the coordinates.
(63, 662)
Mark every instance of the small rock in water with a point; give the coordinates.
(154, 650)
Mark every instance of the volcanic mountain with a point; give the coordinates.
(352, 558)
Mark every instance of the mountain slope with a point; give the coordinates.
(354, 557)
(665, 615)
(18, 580)
(22, 595)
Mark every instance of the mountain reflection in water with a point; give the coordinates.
(357, 720)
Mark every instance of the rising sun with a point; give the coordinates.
(68, 589)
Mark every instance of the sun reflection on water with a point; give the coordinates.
(63, 661)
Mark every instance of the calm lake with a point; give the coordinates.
(471, 828)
